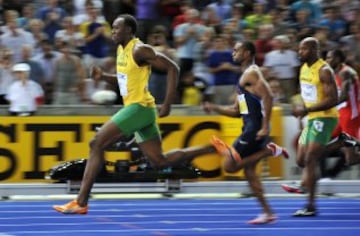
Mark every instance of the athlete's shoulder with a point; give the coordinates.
(141, 47)
(325, 67)
(142, 52)
(350, 69)
(255, 70)
(251, 69)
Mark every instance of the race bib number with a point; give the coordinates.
(122, 81)
(309, 92)
(243, 107)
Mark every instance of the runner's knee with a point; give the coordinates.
(230, 167)
(92, 143)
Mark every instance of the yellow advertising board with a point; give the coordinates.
(29, 146)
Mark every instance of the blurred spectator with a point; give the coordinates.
(201, 5)
(302, 25)
(263, 43)
(351, 45)
(331, 20)
(147, 15)
(357, 16)
(47, 58)
(248, 35)
(36, 73)
(193, 89)
(201, 54)
(27, 13)
(279, 20)
(277, 91)
(169, 9)
(232, 32)
(83, 14)
(285, 6)
(222, 9)
(326, 44)
(181, 18)
(79, 6)
(258, 17)
(186, 36)
(6, 76)
(15, 5)
(14, 37)
(236, 18)
(51, 14)
(225, 73)
(349, 9)
(209, 18)
(24, 95)
(292, 35)
(70, 35)
(36, 27)
(158, 83)
(97, 34)
(69, 75)
(312, 9)
(284, 65)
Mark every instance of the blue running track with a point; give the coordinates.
(180, 217)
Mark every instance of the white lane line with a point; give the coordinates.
(214, 222)
(156, 209)
(286, 214)
(186, 230)
(151, 203)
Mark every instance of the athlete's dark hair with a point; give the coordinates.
(339, 54)
(250, 47)
(130, 21)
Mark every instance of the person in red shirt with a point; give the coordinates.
(349, 100)
(181, 18)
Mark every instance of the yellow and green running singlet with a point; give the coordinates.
(132, 78)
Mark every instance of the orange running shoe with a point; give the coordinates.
(71, 208)
(225, 150)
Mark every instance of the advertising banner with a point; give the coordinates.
(30, 146)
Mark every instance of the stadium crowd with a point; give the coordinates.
(61, 39)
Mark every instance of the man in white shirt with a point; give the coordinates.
(24, 95)
(283, 64)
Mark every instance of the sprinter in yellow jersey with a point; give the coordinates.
(138, 116)
(319, 93)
